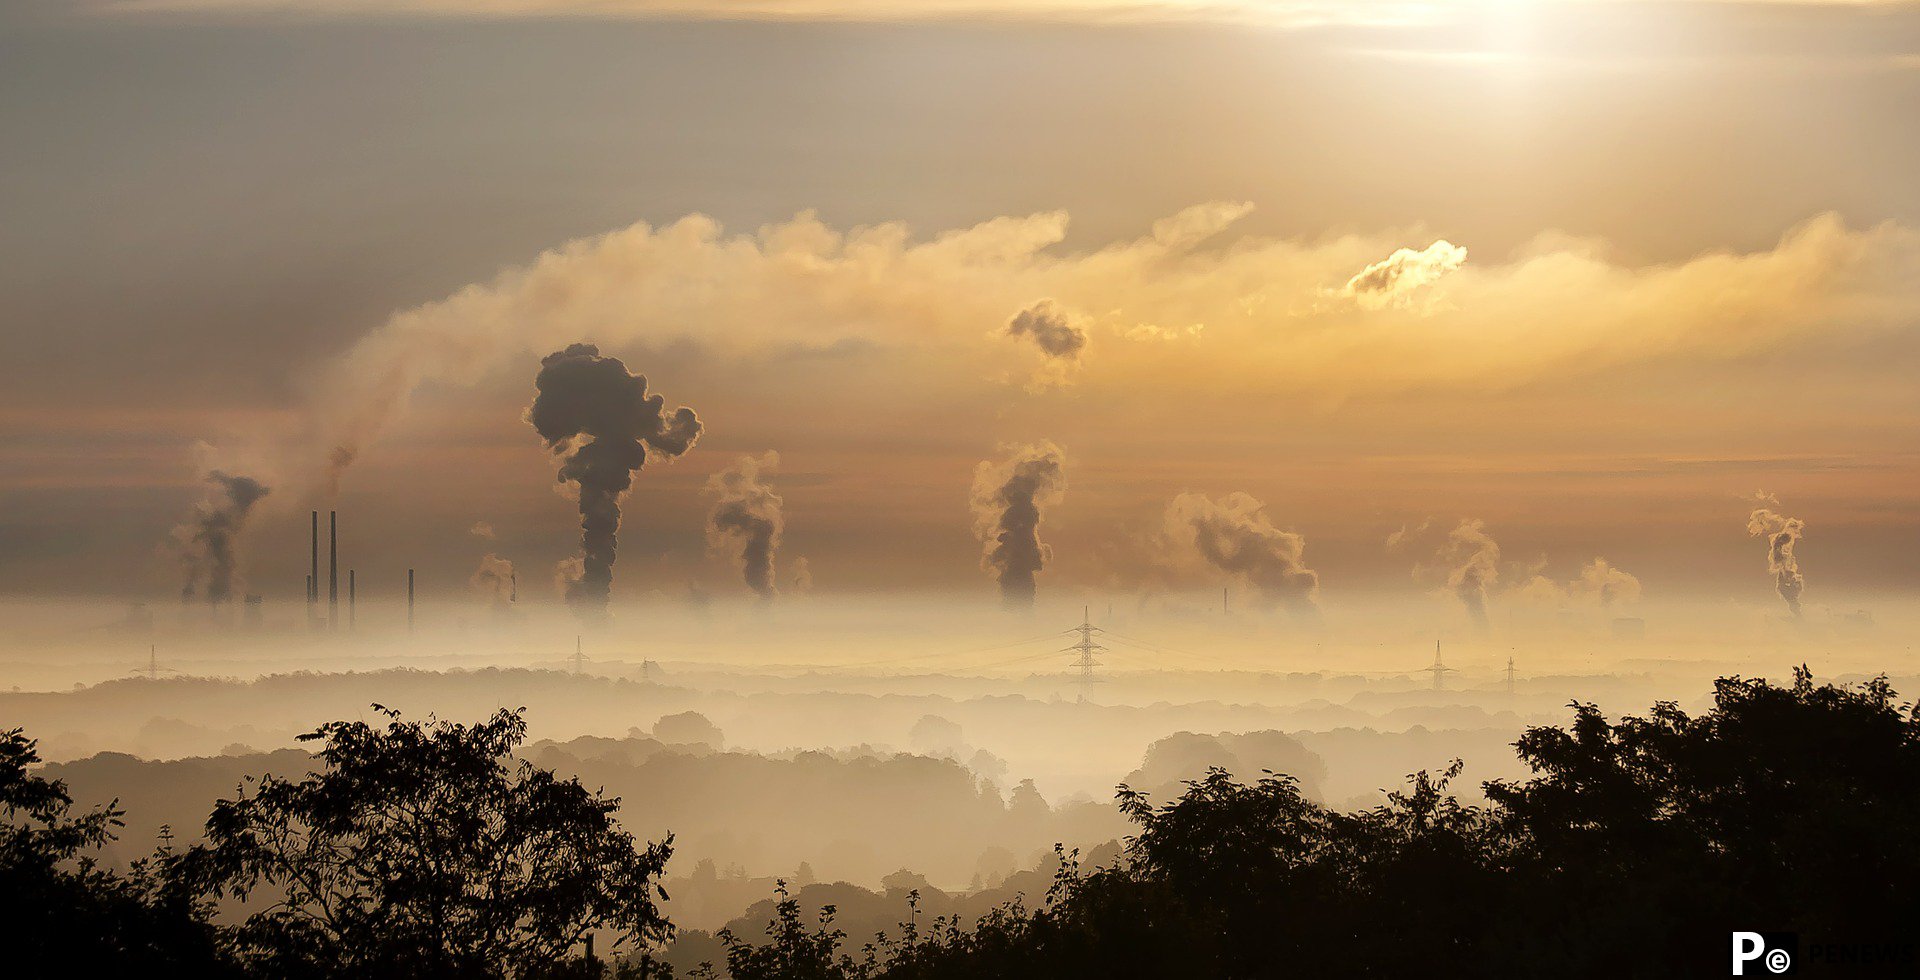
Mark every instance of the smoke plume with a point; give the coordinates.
(209, 537)
(496, 581)
(1054, 330)
(746, 513)
(1607, 583)
(1008, 497)
(600, 420)
(1783, 535)
(1473, 566)
(1235, 536)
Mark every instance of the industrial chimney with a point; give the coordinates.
(333, 570)
(409, 600)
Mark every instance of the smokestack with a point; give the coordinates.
(409, 600)
(333, 570)
(313, 571)
(350, 603)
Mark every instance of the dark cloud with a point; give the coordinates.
(600, 420)
(1008, 497)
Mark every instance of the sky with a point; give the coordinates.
(1267, 283)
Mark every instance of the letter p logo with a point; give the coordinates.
(1747, 947)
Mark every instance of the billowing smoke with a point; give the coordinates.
(496, 582)
(481, 529)
(1235, 536)
(1008, 497)
(600, 420)
(209, 539)
(1058, 334)
(1783, 535)
(1607, 583)
(1053, 329)
(1392, 280)
(746, 514)
(1473, 566)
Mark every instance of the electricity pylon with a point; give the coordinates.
(1086, 648)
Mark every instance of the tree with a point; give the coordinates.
(59, 906)
(425, 849)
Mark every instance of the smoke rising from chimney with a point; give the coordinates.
(747, 514)
(494, 580)
(1235, 536)
(1783, 536)
(1008, 498)
(1473, 566)
(209, 539)
(599, 419)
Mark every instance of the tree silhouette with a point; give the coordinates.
(425, 849)
(58, 905)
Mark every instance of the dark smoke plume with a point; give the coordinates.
(1782, 534)
(1059, 336)
(1051, 328)
(746, 513)
(600, 420)
(1235, 536)
(1008, 497)
(209, 537)
(1473, 566)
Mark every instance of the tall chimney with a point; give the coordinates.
(313, 572)
(409, 600)
(350, 610)
(333, 569)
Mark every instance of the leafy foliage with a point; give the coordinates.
(1634, 851)
(424, 849)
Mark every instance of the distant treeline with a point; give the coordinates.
(1636, 848)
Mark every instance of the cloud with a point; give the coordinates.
(481, 529)
(1235, 536)
(1394, 280)
(1253, 309)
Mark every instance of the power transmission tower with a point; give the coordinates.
(579, 658)
(1509, 675)
(1086, 648)
(153, 668)
(1439, 670)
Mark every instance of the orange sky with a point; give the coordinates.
(1593, 274)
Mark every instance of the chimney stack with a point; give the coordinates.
(333, 569)
(350, 610)
(409, 600)
(313, 571)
